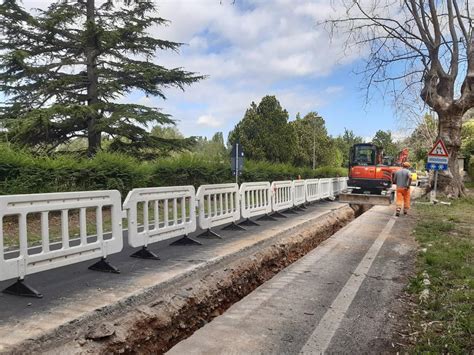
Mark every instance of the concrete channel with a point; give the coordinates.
(154, 305)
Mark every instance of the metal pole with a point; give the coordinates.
(433, 193)
(237, 163)
(314, 145)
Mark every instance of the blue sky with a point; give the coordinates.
(257, 47)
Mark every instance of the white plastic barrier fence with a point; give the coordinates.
(75, 243)
(255, 199)
(312, 188)
(218, 204)
(299, 196)
(342, 184)
(335, 186)
(282, 195)
(325, 186)
(160, 213)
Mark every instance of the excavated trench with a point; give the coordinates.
(173, 315)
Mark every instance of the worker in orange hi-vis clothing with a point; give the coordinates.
(402, 178)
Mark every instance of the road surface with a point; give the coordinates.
(336, 299)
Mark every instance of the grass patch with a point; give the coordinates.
(444, 320)
(469, 185)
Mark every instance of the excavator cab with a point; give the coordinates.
(363, 155)
(367, 172)
(370, 175)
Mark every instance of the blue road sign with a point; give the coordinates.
(432, 166)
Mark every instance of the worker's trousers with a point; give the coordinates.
(403, 198)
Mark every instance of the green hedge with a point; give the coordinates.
(22, 173)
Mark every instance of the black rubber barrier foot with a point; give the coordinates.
(20, 288)
(103, 265)
(209, 234)
(290, 211)
(266, 217)
(185, 241)
(278, 215)
(234, 227)
(144, 253)
(248, 222)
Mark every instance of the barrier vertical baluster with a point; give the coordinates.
(45, 232)
(156, 214)
(64, 229)
(166, 213)
(175, 211)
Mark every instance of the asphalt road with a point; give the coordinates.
(336, 299)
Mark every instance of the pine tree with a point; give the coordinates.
(265, 133)
(64, 69)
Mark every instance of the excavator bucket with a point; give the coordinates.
(366, 199)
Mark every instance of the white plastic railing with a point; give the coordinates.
(325, 186)
(312, 190)
(166, 212)
(342, 184)
(218, 204)
(335, 186)
(299, 196)
(282, 195)
(50, 254)
(255, 199)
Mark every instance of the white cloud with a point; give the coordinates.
(333, 90)
(208, 120)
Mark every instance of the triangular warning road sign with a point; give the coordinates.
(439, 149)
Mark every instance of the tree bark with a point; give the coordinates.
(449, 130)
(94, 135)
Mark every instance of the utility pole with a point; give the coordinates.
(237, 163)
(314, 144)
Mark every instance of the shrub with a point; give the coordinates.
(22, 173)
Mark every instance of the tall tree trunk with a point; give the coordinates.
(449, 130)
(93, 134)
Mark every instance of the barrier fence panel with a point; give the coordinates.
(335, 186)
(343, 184)
(58, 229)
(159, 213)
(299, 196)
(282, 195)
(325, 186)
(218, 204)
(255, 199)
(312, 190)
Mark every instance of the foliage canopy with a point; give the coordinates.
(65, 70)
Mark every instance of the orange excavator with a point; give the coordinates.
(397, 164)
(370, 175)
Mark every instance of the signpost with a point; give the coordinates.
(237, 161)
(437, 160)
